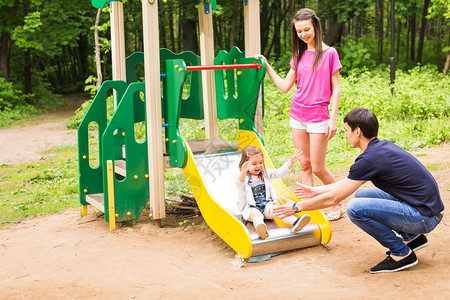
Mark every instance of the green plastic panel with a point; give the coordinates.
(226, 94)
(176, 73)
(91, 178)
(248, 85)
(130, 193)
(101, 3)
(237, 90)
(130, 65)
(192, 105)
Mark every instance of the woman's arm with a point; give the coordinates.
(335, 98)
(283, 84)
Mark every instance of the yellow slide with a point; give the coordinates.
(211, 176)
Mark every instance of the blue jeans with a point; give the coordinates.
(380, 214)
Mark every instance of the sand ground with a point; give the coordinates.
(66, 256)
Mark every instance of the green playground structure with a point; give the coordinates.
(130, 172)
(118, 144)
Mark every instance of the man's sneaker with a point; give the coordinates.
(391, 265)
(418, 243)
(300, 223)
(261, 229)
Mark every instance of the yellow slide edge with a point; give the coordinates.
(224, 224)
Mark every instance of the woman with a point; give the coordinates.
(315, 66)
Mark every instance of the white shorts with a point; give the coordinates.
(320, 127)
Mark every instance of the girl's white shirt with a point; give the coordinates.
(246, 199)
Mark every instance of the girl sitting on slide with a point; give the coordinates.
(257, 196)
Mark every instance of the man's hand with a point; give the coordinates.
(304, 191)
(285, 210)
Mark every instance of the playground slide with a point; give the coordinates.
(211, 169)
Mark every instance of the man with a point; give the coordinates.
(406, 200)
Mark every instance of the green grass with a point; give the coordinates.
(47, 186)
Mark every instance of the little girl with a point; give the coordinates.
(257, 196)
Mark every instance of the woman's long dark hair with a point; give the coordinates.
(298, 46)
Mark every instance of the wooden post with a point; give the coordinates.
(208, 77)
(253, 46)
(117, 44)
(153, 108)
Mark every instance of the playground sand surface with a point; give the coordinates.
(66, 256)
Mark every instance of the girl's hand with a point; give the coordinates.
(245, 167)
(331, 129)
(293, 158)
(298, 154)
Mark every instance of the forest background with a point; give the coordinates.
(47, 51)
(47, 47)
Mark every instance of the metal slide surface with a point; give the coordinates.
(211, 174)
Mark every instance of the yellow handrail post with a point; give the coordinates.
(111, 208)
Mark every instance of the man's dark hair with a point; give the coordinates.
(363, 118)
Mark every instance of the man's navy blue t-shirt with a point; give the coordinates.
(398, 173)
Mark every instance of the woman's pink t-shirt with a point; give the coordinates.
(312, 97)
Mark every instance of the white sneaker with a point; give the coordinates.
(261, 229)
(300, 223)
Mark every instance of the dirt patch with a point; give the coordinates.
(66, 256)
(25, 144)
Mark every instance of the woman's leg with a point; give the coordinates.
(318, 150)
(301, 141)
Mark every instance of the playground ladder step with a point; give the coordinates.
(208, 146)
(120, 165)
(96, 200)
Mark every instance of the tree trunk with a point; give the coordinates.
(233, 23)
(190, 41)
(379, 15)
(179, 33)
(5, 45)
(413, 37)
(422, 30)
(27, 73)
(266, 16)
(399, 26)
(98, 65)
(447, 64)
(332, 34)
(5, 50)
(170, 34)
(278, 19)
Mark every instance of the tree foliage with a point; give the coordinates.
(49, 45)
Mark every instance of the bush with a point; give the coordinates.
(9, 95)
(355, 57)
(415, 115)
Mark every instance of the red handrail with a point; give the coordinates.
(221, 67)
